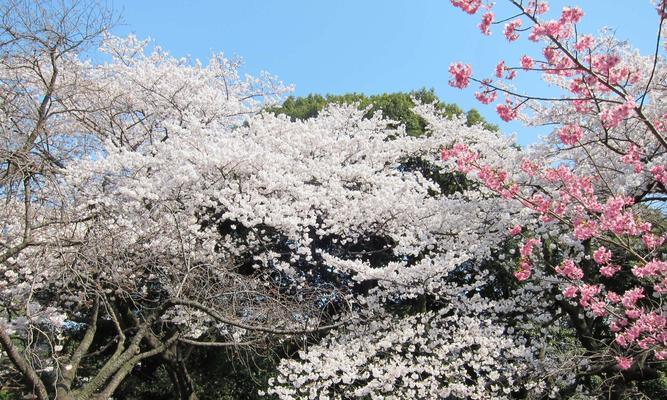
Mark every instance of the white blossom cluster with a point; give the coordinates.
(171, 185)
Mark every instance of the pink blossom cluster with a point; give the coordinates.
(585, 229)
(604, 91)
(660, 174)
(585, 42)
(624, 362)
(575, 190)
(465, 158)
(487, 95)
(510, 30)
(613, 216)
(558, 62)
(507, 111)
(528, 247)
(469, 6)
(524, 271)
(500, 69)
(537, 7)
(492, 178)
(529, 167)
(525, 268)
(616, 219)
(652, 241)
(645, 330)
(485, 25)
(570, 270)
(570, 134)
(461, 74)
(656, 271)
(613, 116)
(633, 157)
(526, 62)
(602, 256)
(551, 29)
(652, 268)
(571, 15)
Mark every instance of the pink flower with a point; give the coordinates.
(585, 229)
(610, 270)
(522, 275)
(509, 192)
(570, 292)
(538, 7)
(585, 42)
(582, 106)
(587, 292)
(599, 308)
(526, 62)
(661, 287)
(486, 96)
(460, 75)
(527, 249)
(633, 313)
(539, 203)
(603, 64)
(500, 68)
(515, 230)
(602, 255)
(555, 29)
(571, 15)
(492, 178)
(652, 241)
(524, 271)
(510, 29)
(633, 157)
(613, 297)
(506, 112)
(615, 219)
(631, 297)
(660, 174)
(445, 154)
(464, 157)
(624, 363)
(469, 6)
(570, 134)
(652, 268)
(570, 270)
(485, 25)
(529, 167)
(612, 117)
(617, 326)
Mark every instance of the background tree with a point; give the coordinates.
(394, 106)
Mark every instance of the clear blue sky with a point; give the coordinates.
(368, 46)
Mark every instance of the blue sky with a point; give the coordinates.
(368, 46)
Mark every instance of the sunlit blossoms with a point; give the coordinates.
(154, 204)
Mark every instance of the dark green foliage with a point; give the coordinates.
(394, 106)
